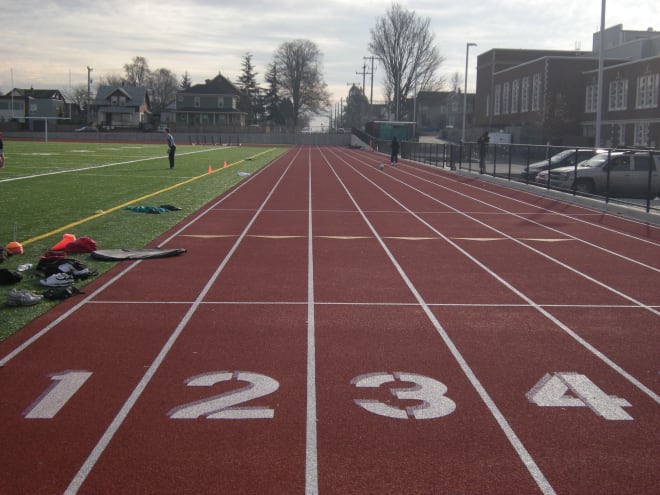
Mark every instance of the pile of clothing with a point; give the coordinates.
(59, 272)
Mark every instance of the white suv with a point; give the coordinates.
(617, 173)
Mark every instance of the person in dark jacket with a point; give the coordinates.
(2, 152)
(394, 158)
(171, 147)
(483, 141)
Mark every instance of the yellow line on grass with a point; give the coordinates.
(123, 205)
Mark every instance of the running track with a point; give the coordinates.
(338, 329)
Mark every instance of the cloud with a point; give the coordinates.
(47, 43)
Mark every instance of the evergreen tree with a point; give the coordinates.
(247, 83)
(186, 82)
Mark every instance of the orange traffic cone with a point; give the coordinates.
(210, 169)
(225, 166)
(66, 240)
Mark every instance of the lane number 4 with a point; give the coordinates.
(568, 389)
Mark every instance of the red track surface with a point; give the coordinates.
(338, 329)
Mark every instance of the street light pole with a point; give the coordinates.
(601, 57)
(467, 54)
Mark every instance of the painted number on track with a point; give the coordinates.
(559, 389)
(225, 406)
(568, 389)
(65, 385)
(429, 392)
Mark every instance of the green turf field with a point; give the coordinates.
(49, 189)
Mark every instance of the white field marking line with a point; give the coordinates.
(590, 212)
(311, 446)
(540, 308)
(518, 241)
(93, 167)
(516, 443)
(87, 299)
(121, 416)
(524, 218)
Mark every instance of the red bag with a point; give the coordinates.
(82, 245)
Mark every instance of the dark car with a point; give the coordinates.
(561, 159)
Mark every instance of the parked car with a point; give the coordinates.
(628, 174)
(561, 159)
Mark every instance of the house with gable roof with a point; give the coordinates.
(35, 106)
(121, 106)
(216, 103)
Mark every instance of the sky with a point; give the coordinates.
(48, 44)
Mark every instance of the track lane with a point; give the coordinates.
(635, 444)
(365, 321)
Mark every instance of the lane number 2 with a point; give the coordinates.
(225, 406)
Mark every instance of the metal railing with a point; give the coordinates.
(512, 161)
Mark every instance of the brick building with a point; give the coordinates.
(541, 96)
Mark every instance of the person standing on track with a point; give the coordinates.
(483, 148)
(394, 158)
(171, 147)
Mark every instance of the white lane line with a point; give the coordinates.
(575, 216)
(518, 241)
(541, 309)
(516, 443)
(121, 416)
(311, 453)
(547, 227)
(4, 360)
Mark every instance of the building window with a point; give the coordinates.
(536, 92)
(591, 99)
(618, 94)
(487, 105)
(515, 90)
(196, 102)
(505, 98)
(641, 137)
(622, 135)
(498, 99)
(524, 95)
(647, 91)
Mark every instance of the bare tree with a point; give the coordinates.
(137, 72)
(108, 80)
(163, 84)
(404, 43)
(300, 77)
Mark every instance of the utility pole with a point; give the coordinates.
(89, 89)
(371, 95)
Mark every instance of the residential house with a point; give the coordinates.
(121, 106)
(214, 104)
(12, 107)
(34, 106)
